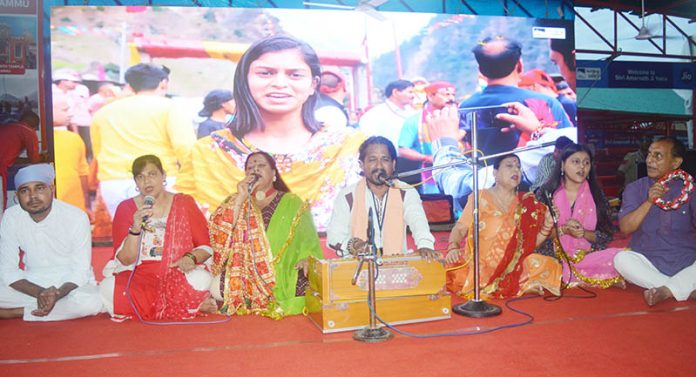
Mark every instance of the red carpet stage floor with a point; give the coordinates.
(614, 334)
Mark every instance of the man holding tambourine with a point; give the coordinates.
(660, 212)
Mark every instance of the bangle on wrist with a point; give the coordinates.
(192, 256)
(131, 232)
(349, 247)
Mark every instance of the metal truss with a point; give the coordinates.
(659, 43)
(518, 8)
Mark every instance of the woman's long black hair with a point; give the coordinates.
(554, 181)
(247, 115)
(278, 184)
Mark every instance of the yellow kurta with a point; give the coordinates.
(71, 164)
(138, 125)
(328, 163)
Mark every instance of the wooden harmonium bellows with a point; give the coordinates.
(408, 289)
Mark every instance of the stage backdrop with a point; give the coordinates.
(201, 46)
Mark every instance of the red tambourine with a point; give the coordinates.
(686, 190)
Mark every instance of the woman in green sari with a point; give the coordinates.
(261, 237)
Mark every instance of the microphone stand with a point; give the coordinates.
(372, 333)
(467, 161)
(477, 307)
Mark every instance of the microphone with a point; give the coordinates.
(370, 228)
(252, 181)
(148, 202)
(387, 180)
(549, 203)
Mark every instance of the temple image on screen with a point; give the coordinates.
(348, 76)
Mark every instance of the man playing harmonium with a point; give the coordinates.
(393, 208)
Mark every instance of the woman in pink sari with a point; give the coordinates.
(584, 226)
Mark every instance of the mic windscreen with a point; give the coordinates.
(252, 181)
(385, 179)
(149, 201)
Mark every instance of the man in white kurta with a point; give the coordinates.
(387, 119)
(393, 209)
(53, 237)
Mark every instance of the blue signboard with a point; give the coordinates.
(650, 75)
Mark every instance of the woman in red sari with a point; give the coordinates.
(161, 243)
(511, 226)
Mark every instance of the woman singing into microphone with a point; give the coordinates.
(584, 222)
(160, 246)
(261, 238)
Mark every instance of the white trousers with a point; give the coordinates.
(117, 190)
(81, 302)
(637, 269)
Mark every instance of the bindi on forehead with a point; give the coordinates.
(256, 161)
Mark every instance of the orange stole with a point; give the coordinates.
(393, 219)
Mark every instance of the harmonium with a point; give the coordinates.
(408, 289)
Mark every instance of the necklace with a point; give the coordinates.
(261, 195)
(381, 208)
(502, 204)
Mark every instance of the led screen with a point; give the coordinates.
(201, 49)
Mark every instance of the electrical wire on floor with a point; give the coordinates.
(159, 323)
(564, 287)
(530, 319)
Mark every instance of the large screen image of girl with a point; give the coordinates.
(202, 88)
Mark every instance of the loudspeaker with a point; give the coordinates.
(439, 211)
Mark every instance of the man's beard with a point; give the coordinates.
(372, 177)
(39, 210)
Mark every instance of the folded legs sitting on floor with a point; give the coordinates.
(11, 313)
(654, 296)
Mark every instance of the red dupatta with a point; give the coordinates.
(174, 297)
(529, 216)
